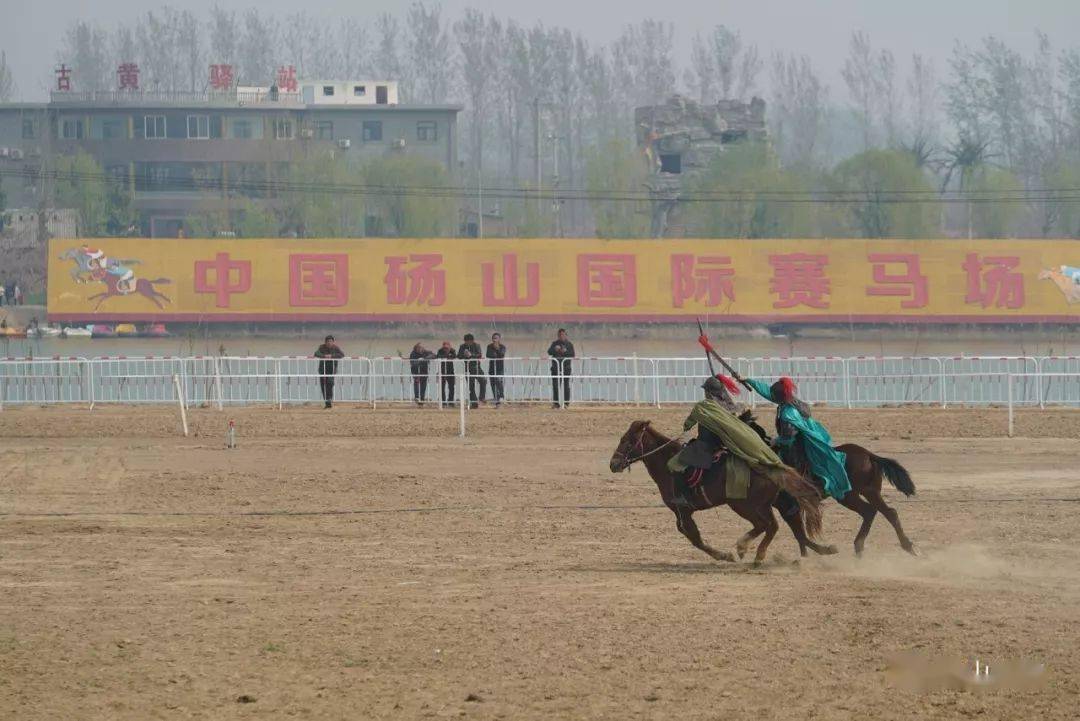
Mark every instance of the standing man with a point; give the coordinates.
(446, 356)
(328, 354)
(471, 353)
(496, 352)
(561, 351)
(419, 362)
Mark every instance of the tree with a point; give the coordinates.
(7, 82)
(255, 50)
(882, 192)
(798, 109)
(613, 170)
(994, 216)
(430, 53)
(85, 50)
(393, 181)
(323, 200)
(474, 36)
(104, 204)
(643, 64)
(224, 32)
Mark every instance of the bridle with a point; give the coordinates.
(640, 446)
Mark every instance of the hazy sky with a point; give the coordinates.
(820, 28)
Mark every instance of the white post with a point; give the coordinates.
(637, 382)
(461, 404)
(180, 400)
(1010, 386)
(217, 383)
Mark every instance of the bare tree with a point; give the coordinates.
(224, 33)
(430, 52)
(7, 82)
(799, 106)
(858, 74)
(256, 48)
(189, 38)
(750, 66)
(643, 64)
(475, 37)
(388, 60)
(701, 76)
(85, 51)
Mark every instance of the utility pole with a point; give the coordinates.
(556, 208)
(536, 154)
(480, 196)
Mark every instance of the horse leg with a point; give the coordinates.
(743, 544)
(684, 521)
(875, 499)
(864, 509)
(789, 511)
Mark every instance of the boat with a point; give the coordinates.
(43, 332)
(126, 330)
(75, 332)
(9, 332)
(155, 330)
(101, 330)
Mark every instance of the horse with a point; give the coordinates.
(643, 443)
(865, 471)
(1069, 287)
(143, 287)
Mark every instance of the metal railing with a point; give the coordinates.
(279, 381)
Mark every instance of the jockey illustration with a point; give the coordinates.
(124, 277)
(95, 261)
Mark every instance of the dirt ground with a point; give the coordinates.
(370, 564)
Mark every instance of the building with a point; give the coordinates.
(186, 152)
(680, 139)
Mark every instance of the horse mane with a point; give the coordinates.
(659, 437)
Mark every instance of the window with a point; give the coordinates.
(380, 95)
(71, 129)
(113, 128)
(29, 128)
(328, 91)
(371, 131)
(154, 126)
(427, 130)
(198, 127)
(241, 129)
(670, 163)
(324, 130)
(283, 129)
(359, 91)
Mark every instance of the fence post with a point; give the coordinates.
(637, 385)
(371, 382)
(461, 404)
(1010, 387)
(90, 382)
(944, 394)
(182, 401)
(656, 381)
(217, 383)
(847, 383)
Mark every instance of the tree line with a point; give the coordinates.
(991, 122)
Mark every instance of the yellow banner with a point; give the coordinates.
(136, 279)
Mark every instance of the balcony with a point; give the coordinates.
(176, 98)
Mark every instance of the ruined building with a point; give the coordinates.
(680, 139)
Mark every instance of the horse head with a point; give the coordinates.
(631, 446)
(1047, 275)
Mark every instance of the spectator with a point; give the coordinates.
(561, 351)
(446, 356)
(419, 363)
(3, 293)
(18, 297)
(328, 354)
(496, 351)
(470, 352)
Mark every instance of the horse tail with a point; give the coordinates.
(898, 475)
(805, 494)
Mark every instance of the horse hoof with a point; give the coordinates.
(830, 551)
(913, 551)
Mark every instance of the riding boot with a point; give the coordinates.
(681, 492)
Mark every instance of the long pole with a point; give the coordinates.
(480, 196)
(537, 158)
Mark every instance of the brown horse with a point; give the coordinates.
(865, 471)
(143, 287)
(643, 443)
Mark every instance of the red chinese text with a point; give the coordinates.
(799, 279)
(707, 279)
(63, 78)
(607, 280)
(911, 284)
(318, 280)
(512, 295)
(221, 77)
(991, 281)
(286, 78)
(415, 280)
(127, 76)
(229, 277)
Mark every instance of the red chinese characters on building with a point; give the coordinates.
(221, 77)
(607, 280)
(415, 279)
(286, 78)
(707, 279)
(799, 279)
(512, 295)
(63, 78)
(911, 284)
(992, 282)
(318, 280)
(127, 76)
(223, 277)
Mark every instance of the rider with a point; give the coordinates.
(124, 276)
(95, 261)
(720, 428)
(801, 439)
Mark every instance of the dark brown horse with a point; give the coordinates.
(143, 287)
(643, 443)
(865, 471)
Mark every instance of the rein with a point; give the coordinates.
(641, 445)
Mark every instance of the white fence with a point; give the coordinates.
(279, 381)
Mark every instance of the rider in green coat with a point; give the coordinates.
(797, 431)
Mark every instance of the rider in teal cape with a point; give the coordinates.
(796, 430)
